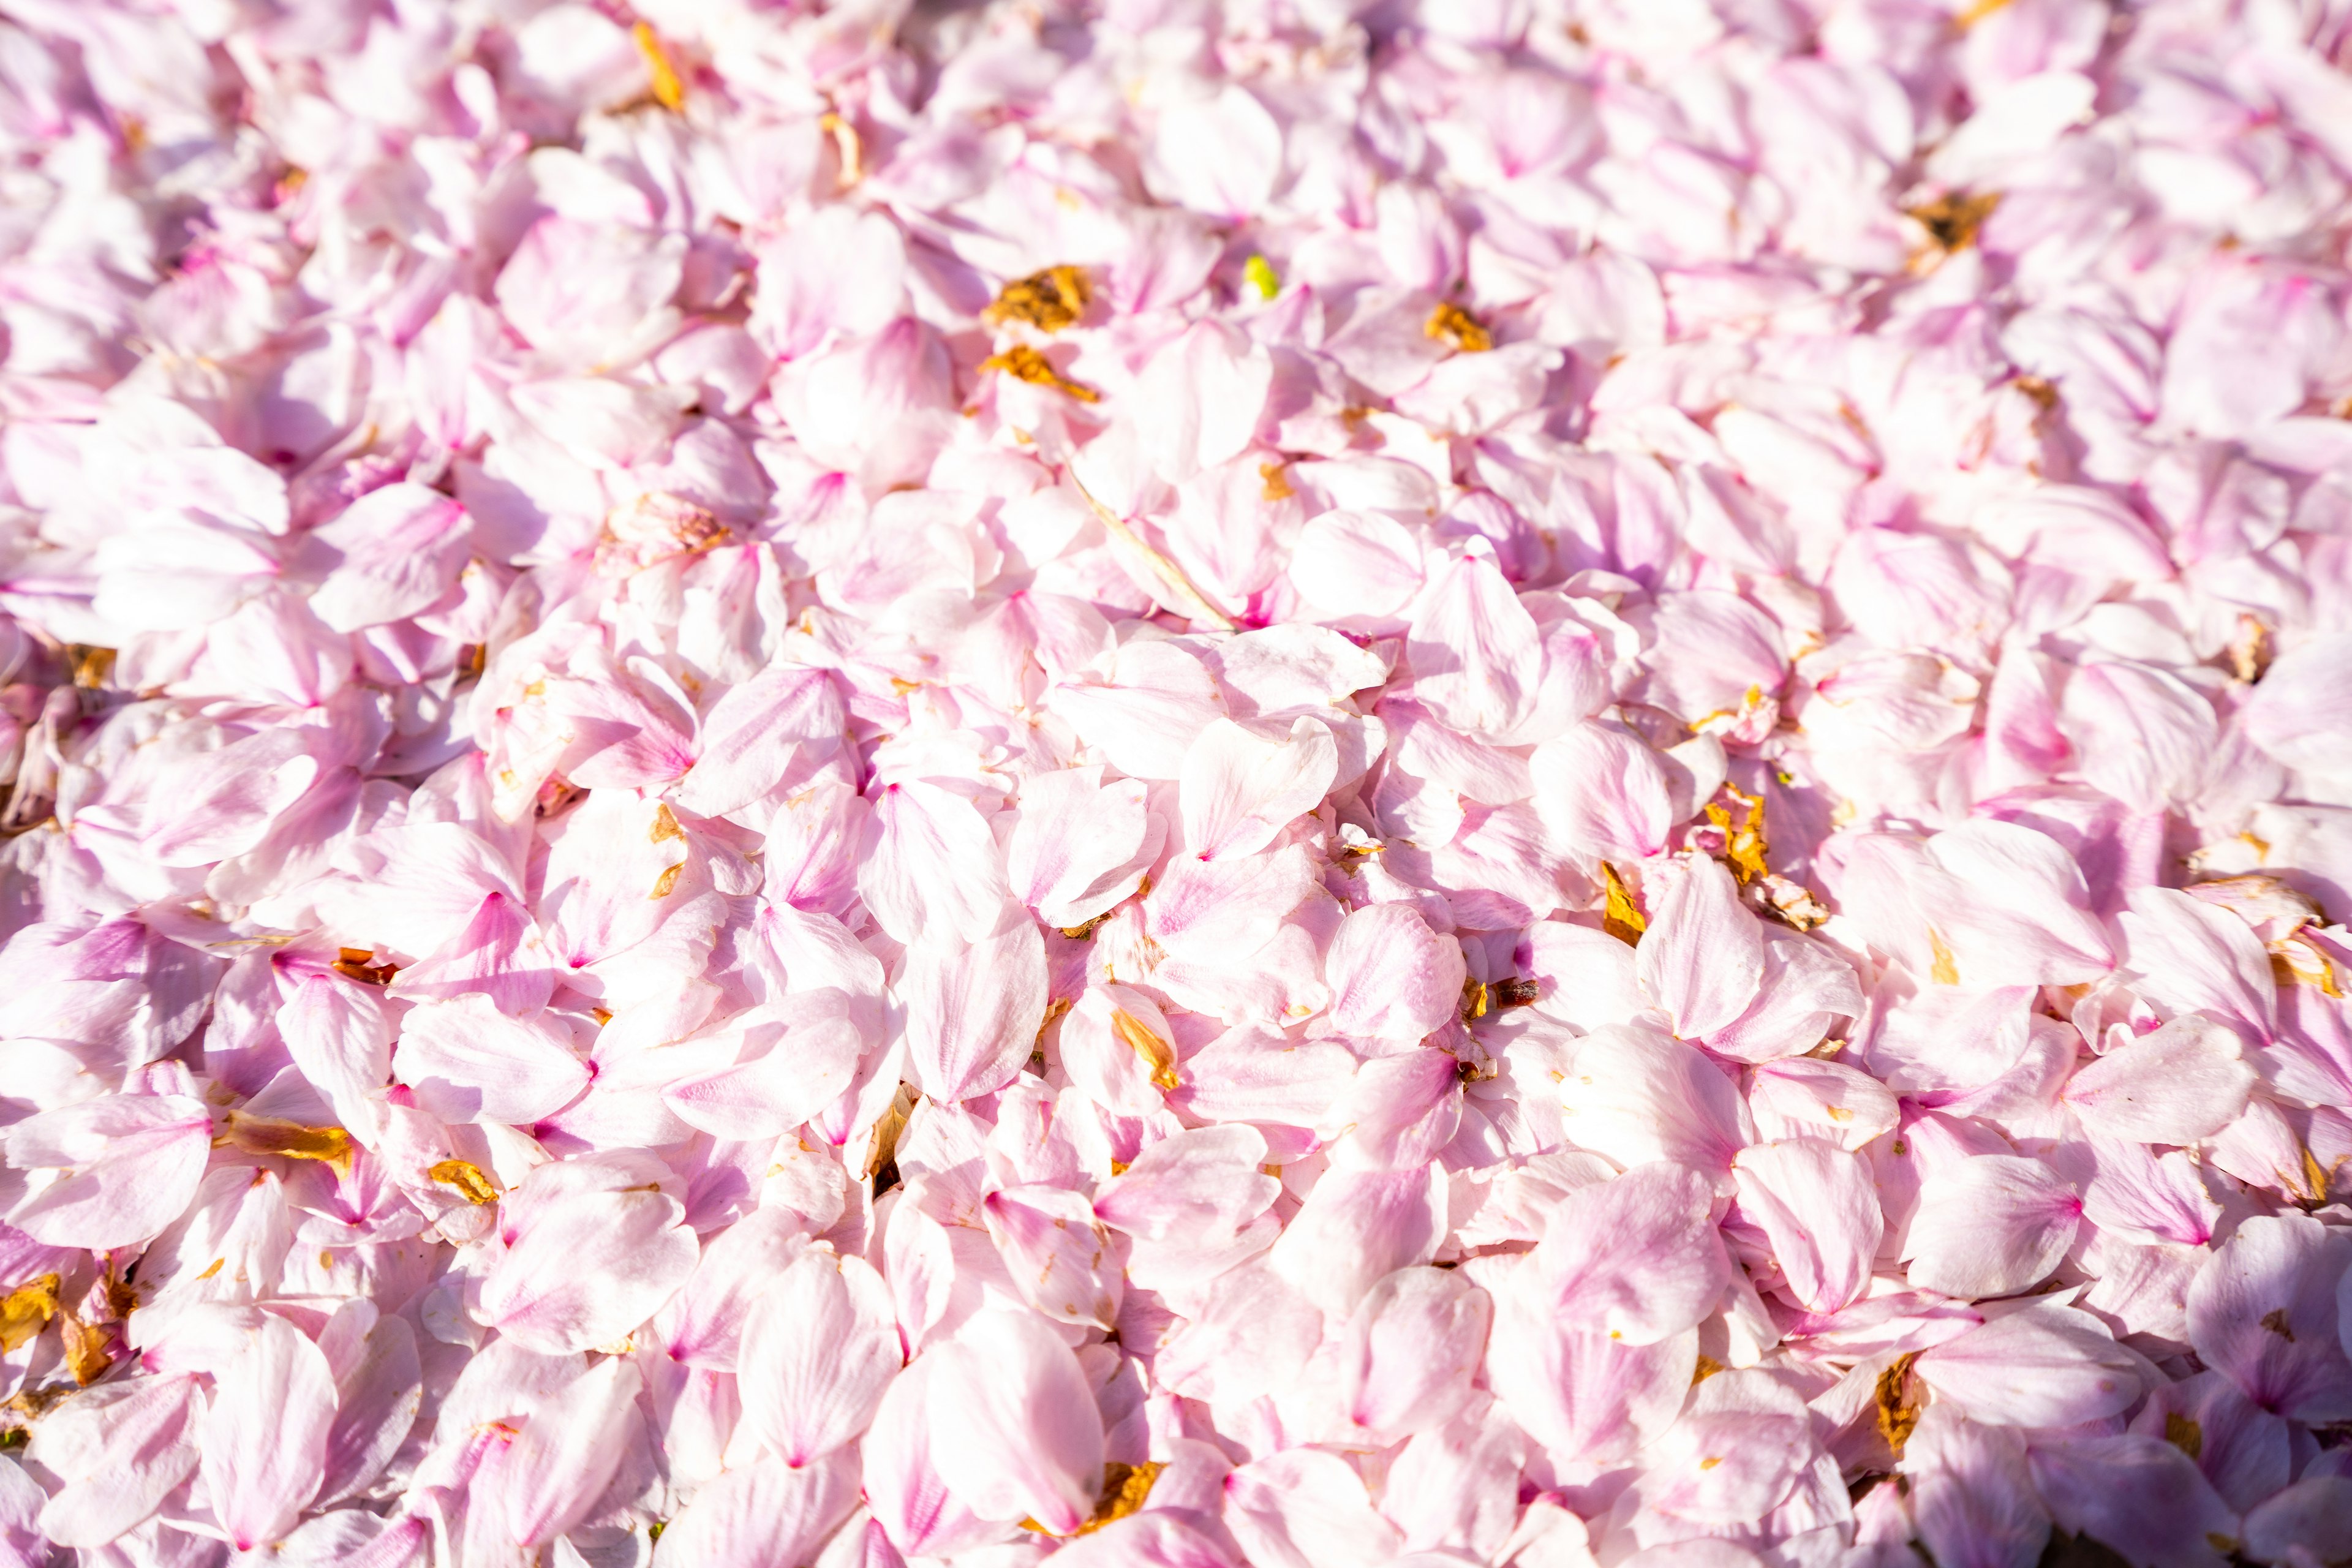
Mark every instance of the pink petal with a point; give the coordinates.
(1409, 1352)
(1391, 976)
(1080, 845)
(1819, 1206)
(132, 1165)
(2042, 1366)
(264, 1436)
(973, 1012)
(2179, 1084)
(819, 1348)
(1973, 1498)
(400, 550)
(1637, 1258)
(1241, 786)
(1991, 1225)
(1018, 1431)
(2299, 713)
(2259, 1311)
(592, 1261)
(759, 1513)
(549, 1476)
(1702, 957)
(1477, 655)
(466, 1061)
(1306, 1509)
(2141, 1496)
(929, 857)
(1357, 1227)
(1062, 1260)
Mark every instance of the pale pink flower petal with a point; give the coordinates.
(1392, 977)
(2183, 1082)
(589, 1252)
(972, 1013)
(1637, 1258)
(1081, 844)
(1018, 1431)
(2259, 1312)
(2044, 1366)
(1306, 1509)
(124, 1167)
(1241, 786)
(1991, 1225)
(1702, 958)
(765, 1511)
(818, 1349)
(1817, 1206)
(265, 1434)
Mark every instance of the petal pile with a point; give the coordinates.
(1298, 783)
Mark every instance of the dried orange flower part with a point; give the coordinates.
(1049, 300)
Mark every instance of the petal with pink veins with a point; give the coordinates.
(2184, 1082)
(547, 1477)
(2043, 1365)
(339, 1036)
(2263, 1311)
(751, 736)
(703, 1325)
(1738, 1452)
(1304, 1508)
(819, 1347)
(1587, 1398)
(1636, 1094)
(973, 1012)
(1636, 1257)
(1243, 782)
(759, 1514)
(1702, 955)
(1818, 1204)
(1357, 1227)
(1062, 1259)
(798, 1057)
(929, 862)
(127, 1166)
(1156, 1538)
(2141, 1496)
(1018, 1433)
(590, 1254)
(1604, 793)
(903, 1485)
(120, 1448)
(1080, 845)
(2301, 713)
(466, 1061)
(497, 954)
(2189, 956)
(1478, 657)
(265, 1437)
(1408, 1354)
(398, 552)
(1990, 1225)
(1392, 977)
(1972, 1497)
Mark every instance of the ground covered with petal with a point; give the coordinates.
(1310, 784)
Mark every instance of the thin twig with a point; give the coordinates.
(1169, 573)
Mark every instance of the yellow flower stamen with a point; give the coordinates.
(1621, 917)
(668, 89)
(1049, 300)
(473, 1183)
(1449, 323)
(1022, 363)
